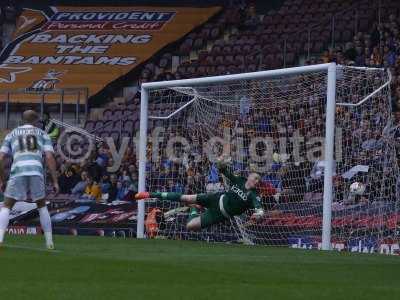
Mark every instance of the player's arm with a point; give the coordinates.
(258, 209)
(2, 175)
(223, 168)
(4, 151)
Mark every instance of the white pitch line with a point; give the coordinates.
(30, 248)
(222, 255)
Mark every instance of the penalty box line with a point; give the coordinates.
(30, 248)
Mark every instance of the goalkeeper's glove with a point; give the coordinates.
(223, 162)
(221, 165)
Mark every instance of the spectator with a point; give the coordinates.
(102, 157)
(131, 191)
(132, 169)
(50, 127)
(215, 187)
(124, 176)
(80, 187)
(389, 56)
(350, 52)
(133, 182)
(360, 57)
(105, 184)
(376, 57)
(213, 176)
(95, 169)
(371, 141)
(129, 157)
(175, 186)
(367, 56)
(326, 58)
(113, 188)
(122, 191)
(68, 180)
(92, 191)
(273, 179)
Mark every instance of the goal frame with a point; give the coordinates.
(330, 69)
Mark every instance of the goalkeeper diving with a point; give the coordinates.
(240, 197)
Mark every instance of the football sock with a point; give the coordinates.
(4, 219)
(45, 221)
(167, 196)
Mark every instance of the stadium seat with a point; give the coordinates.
(98, 125)
(128, 125)
(107, 125)
(107, 114)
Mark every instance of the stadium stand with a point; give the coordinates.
(258, 41)
(239, 40)
(298, 30)
(226, 52)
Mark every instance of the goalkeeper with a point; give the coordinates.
(240, 197)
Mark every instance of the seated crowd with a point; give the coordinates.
(378, 46)
(91, 181)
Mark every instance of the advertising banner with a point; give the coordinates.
(93, 214)
(88, 47)
(371, 244)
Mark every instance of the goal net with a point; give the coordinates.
(275, 126)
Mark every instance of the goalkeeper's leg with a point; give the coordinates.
(168, 196)
(194, 223)
(211, 216)
(211, 201)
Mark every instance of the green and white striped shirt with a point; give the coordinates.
(27, 144)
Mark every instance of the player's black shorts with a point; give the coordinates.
(213, 214)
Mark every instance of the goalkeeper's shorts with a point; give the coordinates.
(212, 215)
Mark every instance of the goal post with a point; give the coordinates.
(207, 97)
(144, 102)
(329, 148)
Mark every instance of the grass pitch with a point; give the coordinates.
(106, 268)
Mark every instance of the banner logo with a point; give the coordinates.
(47, 83)
(25, 22)
(100, 20)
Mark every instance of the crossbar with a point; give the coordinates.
(236, 77)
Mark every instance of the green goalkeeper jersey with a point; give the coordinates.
(238, 199)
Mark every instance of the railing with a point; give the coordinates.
(74, 128)
(62, 97)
